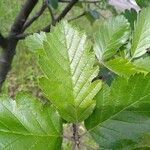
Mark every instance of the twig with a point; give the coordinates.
(34, 18)
(47, 28)
(77, 17)
(22, 36)
(62, 15)
(76, 139)
(9, 52)
(75, 136)
(68, 138)
(3, 41)
(51, 13)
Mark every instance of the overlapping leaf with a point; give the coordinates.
(28, 124)
(122, 115)
(123, 67)
(143, 3)
(141, 35)
(143, 63)
(68, 68)
(111, 35)
(131, 16)
(35, 42)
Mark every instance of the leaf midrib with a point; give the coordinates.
(118, 112)
(27, 134)
(70, 62)
(141, 33)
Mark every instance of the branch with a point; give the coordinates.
(34, 18)
(9, 52)
(77, 17)
(51, 13)
(68, 138)
(75, 137)
(3, 41)
(62, 15)
(47, 28)
(23, 15)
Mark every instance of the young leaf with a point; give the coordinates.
(35, 42)
(131, 16)
(143, 63)
(122, 115)
(28, 124)
(141, 35)
(68, 68)
(111, 35)
(123, 67)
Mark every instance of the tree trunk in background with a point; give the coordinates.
(9, 52)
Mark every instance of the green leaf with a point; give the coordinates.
(123, 67)
(122, 115)
(141, 35)
(131, 15)
(145, 142)
(35, 42)
(53, 3)
(143, 3)
(143, 63)
(111, 35)
(28, 124)
(67, 63)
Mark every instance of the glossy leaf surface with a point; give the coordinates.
(122, 115)
(111, 35)
(28, 124)
(143, 63)
(123, 67)
(141, 35)
(67, 63)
